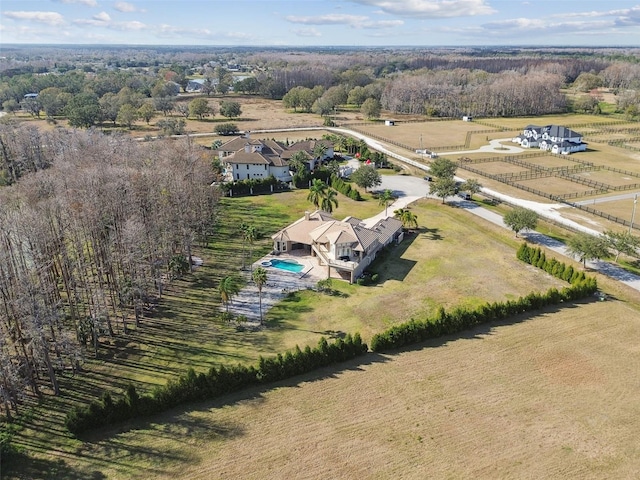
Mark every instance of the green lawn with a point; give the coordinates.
(453, 258)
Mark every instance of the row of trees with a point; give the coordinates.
(216, 382)
(88, 245)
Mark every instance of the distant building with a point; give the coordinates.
(554, 138)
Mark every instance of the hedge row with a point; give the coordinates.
(536, 257)
(215, 383)
(459, 319)
(345, 188)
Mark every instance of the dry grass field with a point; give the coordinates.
(552, 396)
(555, 185)
(435, 134)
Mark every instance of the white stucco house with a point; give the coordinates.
(345, 247)
(244, 158)
(554, 138)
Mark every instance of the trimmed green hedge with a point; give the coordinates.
(215, 383)
(345, 188)
(459, 318)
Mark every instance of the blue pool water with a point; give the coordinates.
(287, 265)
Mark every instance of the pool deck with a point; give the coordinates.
(279, 283)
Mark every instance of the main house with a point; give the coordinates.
(245, 158)
(553, 138)
(345, 247)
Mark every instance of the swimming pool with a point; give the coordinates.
(288, 265)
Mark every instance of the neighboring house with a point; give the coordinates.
(244, 158)
(346, 247)
(197, 84)
(309, 146)
(554, 138)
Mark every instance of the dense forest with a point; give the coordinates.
(88, 244)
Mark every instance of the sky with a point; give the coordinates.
(322, 22)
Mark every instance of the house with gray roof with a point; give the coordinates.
(244, 158)
(554, 138)
(345, 247)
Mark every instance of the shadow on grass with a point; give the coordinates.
(19, 466)
(481, 331)
(430, 233)
(391, 266)
(148, 446)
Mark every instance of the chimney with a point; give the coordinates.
(307, 215)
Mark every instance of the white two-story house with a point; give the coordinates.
(554, 138)
(244, 158)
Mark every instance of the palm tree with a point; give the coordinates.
(319, 151)
(249, 235)
(298, 162)
(329, 200)
(259, 276)
(228, 288)
(385, 198)
(316, 192)
(407, 217)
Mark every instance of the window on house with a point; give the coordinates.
(247, 166)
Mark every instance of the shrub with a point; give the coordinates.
(219, 381)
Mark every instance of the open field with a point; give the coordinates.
(543, 397)
(435, 134)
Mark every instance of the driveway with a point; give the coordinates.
(409, 189)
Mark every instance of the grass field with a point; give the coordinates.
(415, 278)
(542, 397)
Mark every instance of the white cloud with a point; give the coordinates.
(431, 8)
(127, 26)
(48, 18)
(102, 17)
(88, 3)
(126, 7)
(96, 21)
(356, 21)
(330, 19)
(306, 32)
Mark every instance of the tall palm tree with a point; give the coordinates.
(228, 289)
(385, 199)
(249, 235)
(319, 151)
(407, 217)
(259, 276)
(317, 192)
(329, 200)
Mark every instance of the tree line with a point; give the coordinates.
(87, 246)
